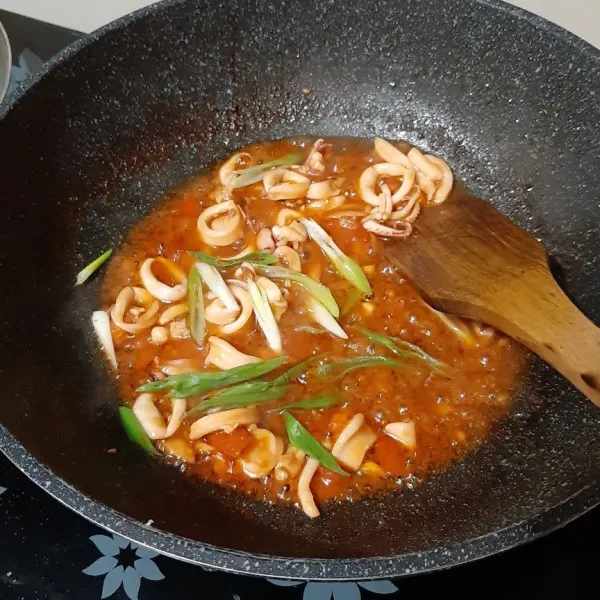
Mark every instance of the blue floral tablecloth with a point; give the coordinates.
(48, 552)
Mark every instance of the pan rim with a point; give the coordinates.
(301, 569)
(296, 568)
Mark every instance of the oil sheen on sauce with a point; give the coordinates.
(453, 415)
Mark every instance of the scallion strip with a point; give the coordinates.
(255, 258)
(300, 438)
(354, 296)
(264, 315)
(405, 349)
(346, 365)
(184, 385)
(298, 369)
(196, 316)
(345, 266)
(88, 271)
(134, 430)
(241, 397)
(243, 177)
(315, 402)
(216, 284)
(314, 288)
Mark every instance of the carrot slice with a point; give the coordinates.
(231, 444)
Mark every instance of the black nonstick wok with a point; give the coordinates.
(510, 101)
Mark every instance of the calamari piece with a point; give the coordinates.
(245, 302)
(135, 297)
(218, 314)
(172, 313)
(225, 356)
(286, 215)
(289, 464)
(400, 229)
(285, 184)
(179, 329)
(152, 421)
(264, 240)
(178, 366)
(445, 185)
(233, 163)
(161, 291)
(305, 496)
(221, 224)
(315, 162)
(294, 234)
(389, 153)
(226, 420)
(323, 190)
(289, 258)
(422, 164)
(354, 442)
(263, 455)
(403, 432)
(372, 175)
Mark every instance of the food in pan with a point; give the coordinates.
(260, 339)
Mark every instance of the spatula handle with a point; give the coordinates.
(547, 322)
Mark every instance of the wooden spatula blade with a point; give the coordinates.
(462, 252)
(470, 260)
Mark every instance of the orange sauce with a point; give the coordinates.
(452, 414)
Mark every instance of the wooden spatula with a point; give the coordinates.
(470, 260)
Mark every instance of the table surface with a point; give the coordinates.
(49, 552)
(581, 17)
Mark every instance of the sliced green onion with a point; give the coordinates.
(248, 387)
(241, 397)
(88, 271)
(255, 258)
(298, 369)
(196, 316)
(101, 324)
(323, 317)
(314, 288)
(300, 438)
(406, 349)
(244, 177)
(346, 365)
(184, 385)
(346, 267)
(216, 284)
(264, 315)
(320, 401)
(352, 300)
(134, 430)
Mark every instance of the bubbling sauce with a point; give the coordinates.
(412, 419)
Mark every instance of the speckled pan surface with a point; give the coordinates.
(510, 101)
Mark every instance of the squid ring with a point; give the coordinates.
(370, 176)
(285, 184)
(128, 296)
(161, 291)
(221, 224)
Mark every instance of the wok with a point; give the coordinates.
(116, 120)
